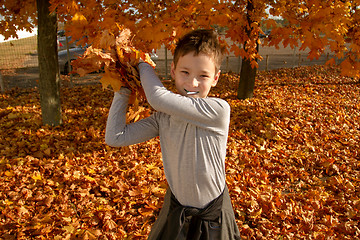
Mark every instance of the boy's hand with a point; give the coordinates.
(145, 57)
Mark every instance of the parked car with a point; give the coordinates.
(62, 43)
(63, 58)
(76, 52)
(61, 33)
(266, 34)
(61, 40)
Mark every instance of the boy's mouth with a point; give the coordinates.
(191, 92)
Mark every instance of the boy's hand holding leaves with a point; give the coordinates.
(116, 56)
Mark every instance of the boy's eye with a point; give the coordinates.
(204, 76)
(185, 72)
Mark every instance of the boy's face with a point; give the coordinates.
(194, 75)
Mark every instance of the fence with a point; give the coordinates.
(19, 62)
(18, 58)
(272, 59)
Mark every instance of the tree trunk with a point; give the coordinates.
(247, 73)
(247, 80)
(49, 83)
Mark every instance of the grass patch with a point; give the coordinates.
(14, 53)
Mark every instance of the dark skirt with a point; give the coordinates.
(219, 221)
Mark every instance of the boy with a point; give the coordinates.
(193, 132)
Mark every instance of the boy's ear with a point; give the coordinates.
(172, 72)
(216, 79)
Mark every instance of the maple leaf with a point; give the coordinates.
(79, 18)
(107, 40)
(111, 78)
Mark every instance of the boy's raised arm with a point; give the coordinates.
(204, 112)
(117, 132)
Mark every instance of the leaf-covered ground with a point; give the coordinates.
(293, 163)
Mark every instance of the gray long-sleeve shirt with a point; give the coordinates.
(193, 136)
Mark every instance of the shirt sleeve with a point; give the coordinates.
(211, 113)
(118, 133)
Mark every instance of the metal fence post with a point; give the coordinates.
(227, 63)
(166, 64)
(239, 62)
(69, 62)
(267, 62)
(2, 85)
(294, 57)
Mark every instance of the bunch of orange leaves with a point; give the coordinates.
(117, 59)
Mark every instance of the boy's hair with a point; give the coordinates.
(200, 41)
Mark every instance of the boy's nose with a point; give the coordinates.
(195, 82)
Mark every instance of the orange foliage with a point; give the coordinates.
(310, 25)
(118, 59)
(17, 15)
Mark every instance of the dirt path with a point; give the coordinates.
(29, 78)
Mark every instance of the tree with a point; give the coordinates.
(251, 46)
(49, 84)
(247, 79)
(25, 15)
